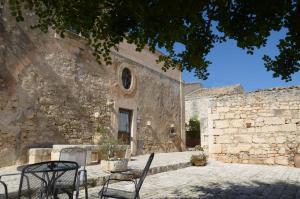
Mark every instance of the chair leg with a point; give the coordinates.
(101, 196)
(138, 196)
(85, 186)
(70, 195)
(77, 187)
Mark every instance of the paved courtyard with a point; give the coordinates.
(220, 180)
(161, 162)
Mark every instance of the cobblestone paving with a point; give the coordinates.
(219, 180)
(161, 162)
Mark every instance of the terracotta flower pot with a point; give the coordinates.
(297, 160)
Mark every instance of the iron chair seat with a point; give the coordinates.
(116, 193)
(122, 194)
(78, 155)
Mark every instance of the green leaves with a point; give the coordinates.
(193, 127)
(197, 25)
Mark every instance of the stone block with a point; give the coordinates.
(216, 131)
(214, 116)
(230, 130)
(288, 127)
(244, 147)
(237, 123)
(280, 139)
(225, 139)
(243, 138)
(90, 150)
(270, 160)
(281, 150)
(274, 120)
(270, 139)
(270, 129)
(223, 109)
(216, 148)
(282, 160)
(230, 115)
(254, 160)
(258, 140)
(298, 139)
(39, 155)
(219, 124)
(233, 150)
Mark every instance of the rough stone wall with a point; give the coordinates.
(160, 104)
(156, 98)
(197, 104)
(261, 127)
(49, 90)
(51, 87)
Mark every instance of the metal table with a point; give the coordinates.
(47, 180)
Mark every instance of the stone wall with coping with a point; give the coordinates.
(261, 127)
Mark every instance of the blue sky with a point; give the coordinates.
(232, 65)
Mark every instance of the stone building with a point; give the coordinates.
(261, 127)
(52, 91)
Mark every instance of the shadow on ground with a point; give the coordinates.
(252, 190)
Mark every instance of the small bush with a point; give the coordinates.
(198, 160)
(110, 147)
(199, 148)
(193, 127)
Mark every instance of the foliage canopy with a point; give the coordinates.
(197, 25)
(193, 127)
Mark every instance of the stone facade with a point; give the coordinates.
(50, 89)
(261, 127)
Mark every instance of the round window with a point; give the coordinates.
(126, 78)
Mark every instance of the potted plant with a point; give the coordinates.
(200, 159)
(112, 154)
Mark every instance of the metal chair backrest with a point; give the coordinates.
(44, 179)
(75, 154)
(145, 172)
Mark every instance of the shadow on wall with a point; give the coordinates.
(251, 190)
(155, 139)
(36, 126)
(159, 141)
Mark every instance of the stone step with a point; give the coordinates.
(97, 181)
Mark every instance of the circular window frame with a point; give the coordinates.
(133, 79)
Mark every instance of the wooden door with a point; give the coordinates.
(124, 126)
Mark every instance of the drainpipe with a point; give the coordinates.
(182, 115)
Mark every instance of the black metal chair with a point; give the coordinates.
(78, 155)
(3, 190)
(116, 193)
(53, 179)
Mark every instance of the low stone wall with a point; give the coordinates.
(55, 153)
(39, 155)
(261, 127)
